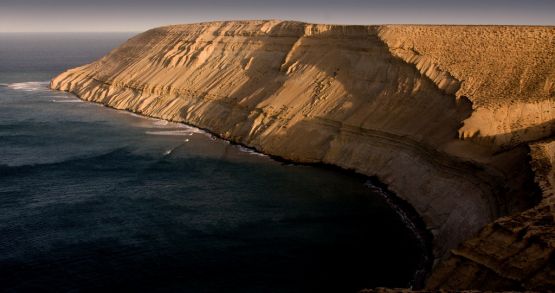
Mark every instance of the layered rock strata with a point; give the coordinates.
(457, 120)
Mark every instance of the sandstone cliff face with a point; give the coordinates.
(516, 250)
(448, 117)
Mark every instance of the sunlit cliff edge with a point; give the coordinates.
(457, 120)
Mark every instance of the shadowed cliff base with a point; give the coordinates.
(423, 108)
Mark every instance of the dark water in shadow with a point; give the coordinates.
(96, 199)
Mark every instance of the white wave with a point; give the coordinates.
(30, 86)
(143, 117)
(67, 101)
(168, 152)
(155, 121)
(192, 129)
(136, 115)
(68, 96)
(172, 132)
(132, 114)
(250, 151)
(160, 122)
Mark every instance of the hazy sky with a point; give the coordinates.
(139, 15)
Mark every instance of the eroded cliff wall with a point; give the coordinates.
(444, 115)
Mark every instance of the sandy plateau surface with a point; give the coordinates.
(459, 121)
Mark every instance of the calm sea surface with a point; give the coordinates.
(96, 199)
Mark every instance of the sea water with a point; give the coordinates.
(94, 199)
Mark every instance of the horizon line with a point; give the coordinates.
(271, 19)
(65, 32)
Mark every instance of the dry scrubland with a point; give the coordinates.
(457, 120)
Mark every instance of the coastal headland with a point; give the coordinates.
(459, 121)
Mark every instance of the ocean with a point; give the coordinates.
(95, 199)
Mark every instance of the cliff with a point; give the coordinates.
(457, 120)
